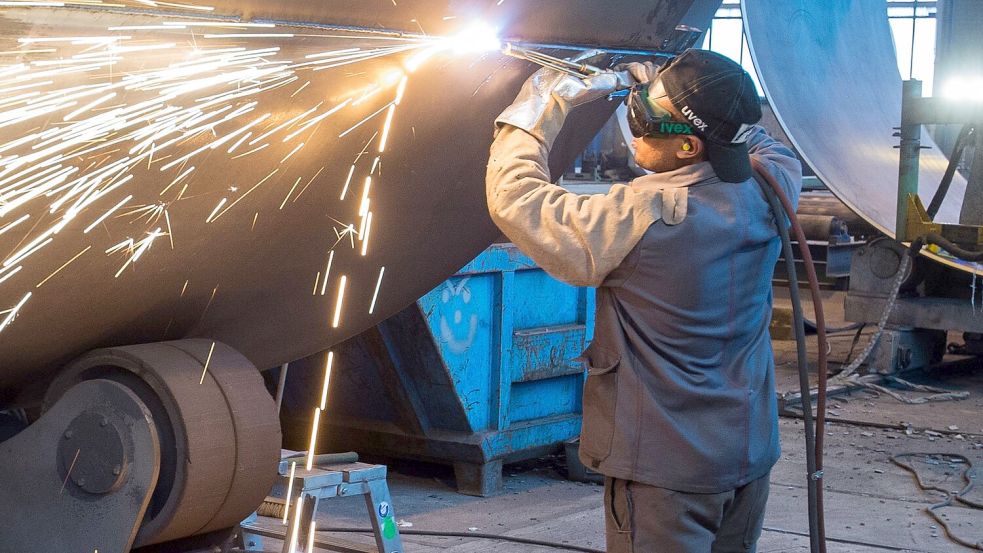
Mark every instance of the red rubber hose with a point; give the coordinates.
(823, 344)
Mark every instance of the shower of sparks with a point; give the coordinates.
(292, 152)
(310, 537)
(106, 215)
(12, 313)
(152, 98)
(327, 271)
(386, 127)
(295, 528)
(290, 193)
(135, 249)
(69, 473)
(25, 217)
(313, 444)
(327, 378)
(290, 490)
(365, 217)
(67, 263)
(16, 270)
(211, 216)
(349, 231)
(344, 190)
(209, 304)
(365, 236)
(375, 295)
(306, 186)
(363, 206)
(336, 320)
(207, 361)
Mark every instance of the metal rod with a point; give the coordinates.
(281, 385)
(908, 168)
(552, 62)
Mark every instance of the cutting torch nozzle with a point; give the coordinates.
(576, 69)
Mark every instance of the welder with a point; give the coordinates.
(680, 413)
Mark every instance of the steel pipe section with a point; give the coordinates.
(237, 249)
(829, 71)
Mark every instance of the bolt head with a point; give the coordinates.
(116, 470)
(69, 434)
(103, 422)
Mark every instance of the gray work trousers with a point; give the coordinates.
(646, 519)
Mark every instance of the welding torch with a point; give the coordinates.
(577, 69)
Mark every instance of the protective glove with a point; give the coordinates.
(548, 96)
(642, 73)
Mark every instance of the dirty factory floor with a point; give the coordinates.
(872, 505)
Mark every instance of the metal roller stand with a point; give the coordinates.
(82, 475)
(219, 433)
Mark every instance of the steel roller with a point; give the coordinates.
(218, 429)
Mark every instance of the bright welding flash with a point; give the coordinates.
(477, 38)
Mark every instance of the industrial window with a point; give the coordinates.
(912, 23)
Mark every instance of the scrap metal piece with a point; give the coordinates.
(65, 494)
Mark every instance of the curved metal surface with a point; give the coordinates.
(829, 71)
(220, 436)
(242, 242)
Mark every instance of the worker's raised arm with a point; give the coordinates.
(578, 239)
(779, 160)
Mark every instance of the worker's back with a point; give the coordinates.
(681, 387)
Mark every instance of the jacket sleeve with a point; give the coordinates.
(578, 239)
(780, 161)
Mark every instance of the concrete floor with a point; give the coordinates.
(871, 504)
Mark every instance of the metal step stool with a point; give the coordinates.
(327, 481)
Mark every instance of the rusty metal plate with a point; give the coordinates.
(237, 249)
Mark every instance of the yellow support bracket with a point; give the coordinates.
(918, 223)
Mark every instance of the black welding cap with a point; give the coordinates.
(718, 98)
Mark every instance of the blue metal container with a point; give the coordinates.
(479, 371)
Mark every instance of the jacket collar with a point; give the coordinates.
(677, 178)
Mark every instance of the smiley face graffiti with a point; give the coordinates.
(458, 332)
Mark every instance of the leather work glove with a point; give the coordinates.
(548, 96)
(642, 73)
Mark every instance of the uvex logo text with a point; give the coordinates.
(700, 124)
(674, 128)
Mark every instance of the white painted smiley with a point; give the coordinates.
(458, 341)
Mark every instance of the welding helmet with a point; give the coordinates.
(718, 100)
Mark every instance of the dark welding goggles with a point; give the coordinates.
(647, 118)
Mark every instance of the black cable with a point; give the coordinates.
(950, 170)
(844, 540)
(853, 345)
(818, 532)
(803, 362)
(947, 245)
(479, 535)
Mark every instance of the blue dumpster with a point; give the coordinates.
(478, 372)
